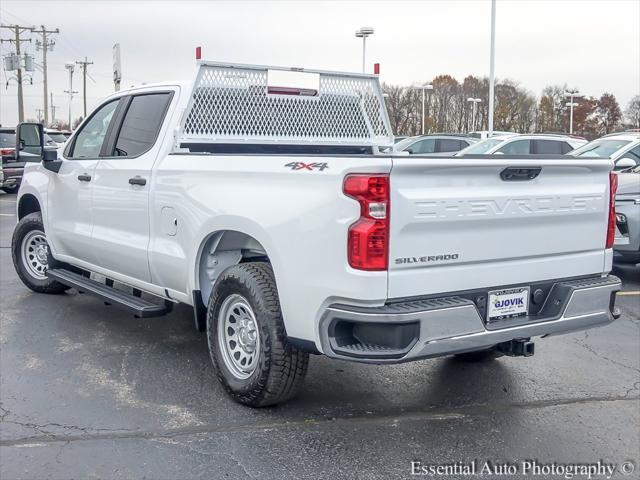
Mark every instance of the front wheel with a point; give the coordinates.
(247, 339)
(30, 253)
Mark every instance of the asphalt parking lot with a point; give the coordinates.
(89, 392)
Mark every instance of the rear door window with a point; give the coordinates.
(450, 145)
(517, 147)
(141, 124)
(428, 145)
(548, 147)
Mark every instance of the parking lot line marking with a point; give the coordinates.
(7, 214)
(629, 293)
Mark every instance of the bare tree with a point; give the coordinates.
(633, 112)
(608, 113)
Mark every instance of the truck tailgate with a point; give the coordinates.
(457, 225)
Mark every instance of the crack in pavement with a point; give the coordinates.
(435, 414)
(582, 343)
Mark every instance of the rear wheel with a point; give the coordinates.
(247, 339)
(13, 189)
(30, 253)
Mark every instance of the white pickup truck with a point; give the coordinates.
(264, 198)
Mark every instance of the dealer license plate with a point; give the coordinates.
(508, 303)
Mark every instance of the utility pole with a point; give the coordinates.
(39, 112)
(45, 45)
(83, 65)
(18, 31)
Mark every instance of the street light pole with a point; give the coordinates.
(70, 67)
(492, 65)
(426, 86)
(571, 104)
(363, 33)
(475, 101)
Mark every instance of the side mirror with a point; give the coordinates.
(30, 143)
(624, 163)
(29, 140)
(409, 151)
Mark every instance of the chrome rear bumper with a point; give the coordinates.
(412, 330)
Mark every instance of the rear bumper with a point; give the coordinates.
(412, 330)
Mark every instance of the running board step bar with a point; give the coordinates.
(139, 307)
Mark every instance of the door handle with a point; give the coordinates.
(138, 180)
(84, 177)
(519, 174)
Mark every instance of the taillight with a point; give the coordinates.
(611, 226)
(368, 240)
(6, 151)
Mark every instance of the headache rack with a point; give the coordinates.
(234, 105)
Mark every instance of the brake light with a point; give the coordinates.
(368, 239)
(611, 226)
(6, 151)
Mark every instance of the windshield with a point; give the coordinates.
(481, 147)
(402, 144)
(57, 137)
(601, 148)
(7, 140)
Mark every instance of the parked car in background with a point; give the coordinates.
(627, 243)
(12, 169)
(56, 136)
(398, 139)
(623, 148)
(434, 144)
(482, 134)
(532, 144)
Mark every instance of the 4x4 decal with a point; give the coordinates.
(307, 166)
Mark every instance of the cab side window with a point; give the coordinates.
(141, 124)
(88, 142)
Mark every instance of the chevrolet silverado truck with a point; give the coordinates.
(266, 198)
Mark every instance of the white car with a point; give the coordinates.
(533, 144)
(56, 137)
(261, 197)
(623, 148)
(434, 144)
(482, 134)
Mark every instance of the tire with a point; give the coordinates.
(27, 246)
(479, 355)
(244, 305)
(13, 189)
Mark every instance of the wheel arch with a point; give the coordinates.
(27, 204)
(218, 251)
